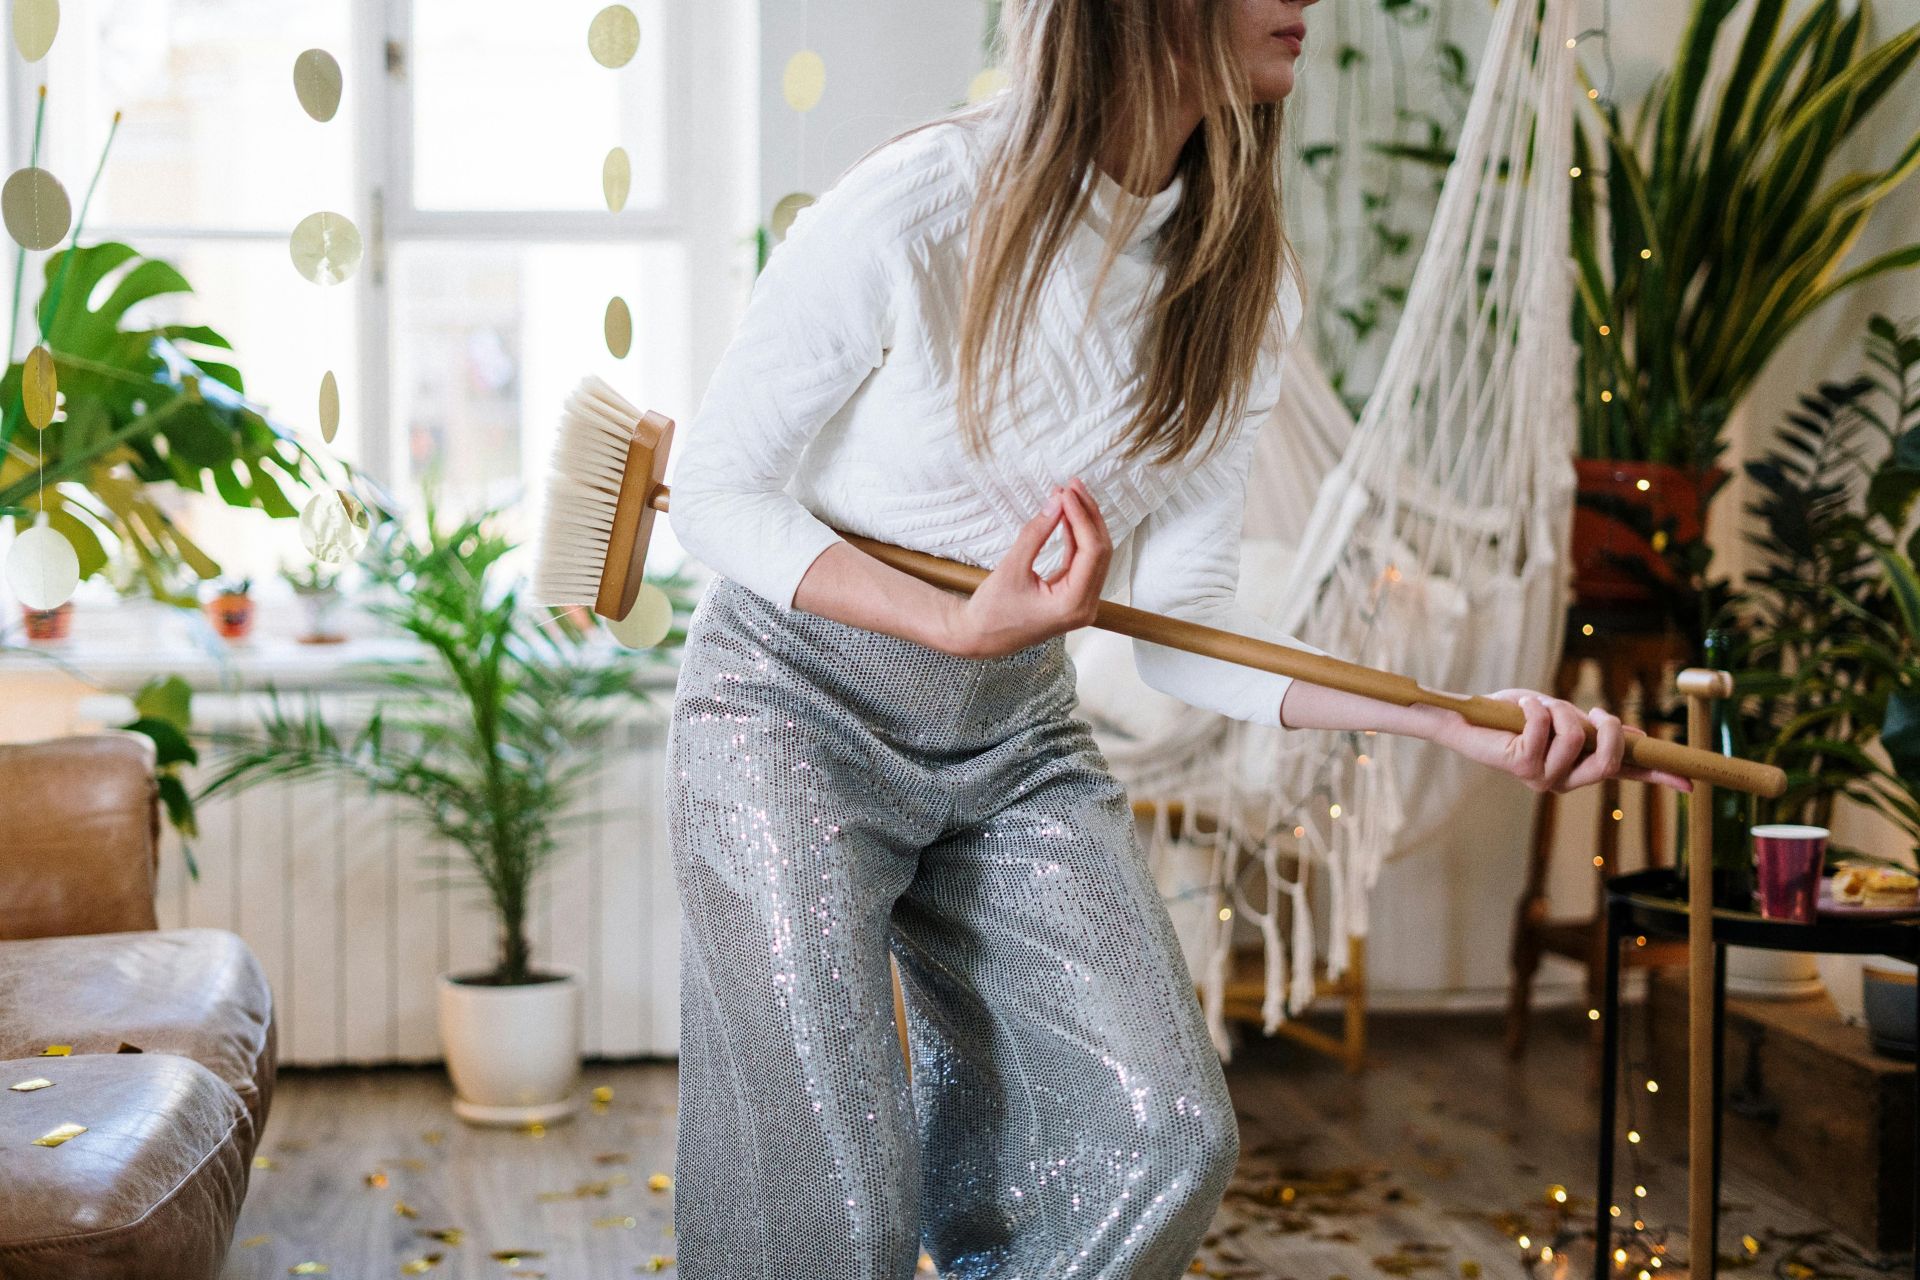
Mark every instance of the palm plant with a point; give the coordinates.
(484, 740)
(1715, 230)
(1831, 658)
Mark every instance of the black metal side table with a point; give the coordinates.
(1655, 903)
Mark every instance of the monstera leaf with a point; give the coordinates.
(144, 406)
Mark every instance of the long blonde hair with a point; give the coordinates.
(1222, 252)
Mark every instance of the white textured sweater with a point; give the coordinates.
(835, 404)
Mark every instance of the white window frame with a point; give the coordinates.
(710, 195)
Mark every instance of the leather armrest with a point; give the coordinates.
(79, 836)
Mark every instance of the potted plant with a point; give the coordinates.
(481, 741)
(1828, 667)
(317, 586)
(47, 626)
(231, 609)
(1704, 232)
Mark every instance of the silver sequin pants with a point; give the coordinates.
(835, 795)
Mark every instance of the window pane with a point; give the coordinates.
(510, 112)
(488, 339)
(286, 334)
(212, 134)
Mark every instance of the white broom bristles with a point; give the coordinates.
(583, 488)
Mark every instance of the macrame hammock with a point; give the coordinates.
(1429, 538)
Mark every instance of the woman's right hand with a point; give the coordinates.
(1016, 607)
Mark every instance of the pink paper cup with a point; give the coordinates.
(1789, 857)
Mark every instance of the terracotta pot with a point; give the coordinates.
(232, 616)
(1675, 499)
(48, 626)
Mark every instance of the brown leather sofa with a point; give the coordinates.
(170, 1033)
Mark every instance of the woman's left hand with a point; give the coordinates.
(1550, 753)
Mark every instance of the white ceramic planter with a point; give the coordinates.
(513, 1052)
(1758, 973)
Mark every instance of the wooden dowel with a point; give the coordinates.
(1699, 685)
(1334, 673)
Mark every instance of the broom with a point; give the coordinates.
(606, 485)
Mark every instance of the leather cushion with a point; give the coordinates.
(152, 1188)
(198, 993)
(77, 852)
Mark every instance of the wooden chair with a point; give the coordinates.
(1632, 650)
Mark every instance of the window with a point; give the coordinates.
(468, 149)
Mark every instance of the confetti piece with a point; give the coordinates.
(254, 1242)
(420, 1266)
(59, 1134)
(534, 1130)
(613, 1157)
(625, 1221)
(405, 1210)
(446, 1235)
(56, 1051)
(659, 1182)
(514, 1257)
(603, 1094)
(1746, 1242)
(433, 1137)
(376, 1179)
(263, 1162)
(28, 1086)
(308, 1269)
(659, 1262)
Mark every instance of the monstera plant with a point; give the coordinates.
(145, 406)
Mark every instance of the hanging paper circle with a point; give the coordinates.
(805, 81)
(785, 211)
(335, 526)
(42, 567)
(986, 84)
(616, 178)
(325, 247)
(35, 23)
(613, 36)
(39, 387)
(648, 622)
(36, 208)
(316, 82)
(329, 407)
(619, 325)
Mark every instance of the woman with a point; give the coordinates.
(982, 343)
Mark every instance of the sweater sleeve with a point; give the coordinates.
(819, 320)
(1186, 563)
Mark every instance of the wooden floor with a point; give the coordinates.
(1431, 1165)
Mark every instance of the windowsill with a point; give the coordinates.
(117, 646)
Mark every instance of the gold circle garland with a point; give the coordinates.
(613, 37)
(316, 82)
(325, 247)
(35, 208)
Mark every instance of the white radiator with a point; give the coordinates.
(338, 892)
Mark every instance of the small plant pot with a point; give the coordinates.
(318, 608)
(513, 1052)
(232, 616)
(1886, 989)
(48, 626)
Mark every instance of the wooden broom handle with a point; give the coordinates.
(1335, 673)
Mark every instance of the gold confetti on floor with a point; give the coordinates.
(420, 1266)
(659, 1182)
(603, 1095)
(254, 1242)
(376, 1180)
(405, 1210)
(57, 1051)
(514, 1257)
(659, 1262)
(28, 1086)
(445, 1235)
(624, 1221)
(613, 1157)
(263, 1162)
(59, 1134)
(308, 1269)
